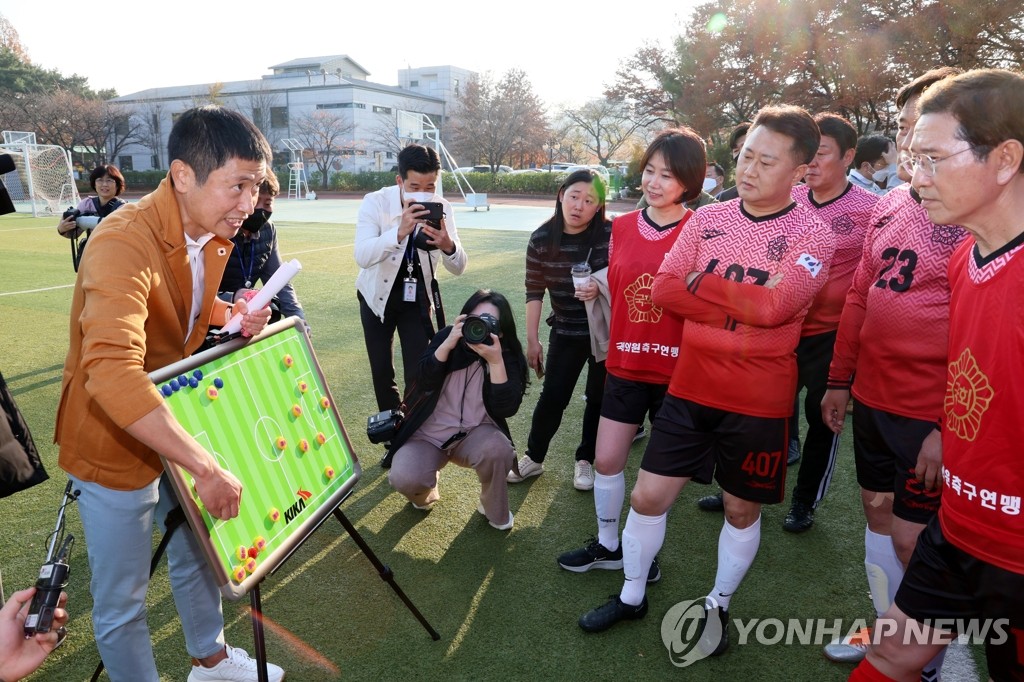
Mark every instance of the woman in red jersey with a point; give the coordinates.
(644, 338)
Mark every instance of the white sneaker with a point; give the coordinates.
(503, 526)
(237, 667)
(527, 468)
(583, 476)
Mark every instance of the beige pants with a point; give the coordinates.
(416, 467)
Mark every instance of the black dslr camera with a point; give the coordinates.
(478, 328)
(72, 212)
(383, 426)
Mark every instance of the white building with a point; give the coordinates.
(366, 112)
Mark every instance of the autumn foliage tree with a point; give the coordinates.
(737, 56)
(493, 121)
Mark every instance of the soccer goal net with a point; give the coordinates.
(43, 180)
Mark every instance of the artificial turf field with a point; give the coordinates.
(503, 607)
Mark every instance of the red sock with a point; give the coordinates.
(865, 672)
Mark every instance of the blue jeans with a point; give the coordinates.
(118, 528)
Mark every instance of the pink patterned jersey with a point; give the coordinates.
(848, 215)
(891, 344)
(643, 342)
(739, 335)
(982, 457)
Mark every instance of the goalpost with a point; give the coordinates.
(43, 176)
(414, 126)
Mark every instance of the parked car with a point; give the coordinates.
(598, 168)
(483, 168)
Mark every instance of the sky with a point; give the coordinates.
(569, 51)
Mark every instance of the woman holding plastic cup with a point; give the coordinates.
(561, 255)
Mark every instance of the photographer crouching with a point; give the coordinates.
(471, 379)
(108, 183)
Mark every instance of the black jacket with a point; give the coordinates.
(500, 400)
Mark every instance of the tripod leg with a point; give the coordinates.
(385, 572)
(257, 635)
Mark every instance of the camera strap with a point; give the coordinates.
(435, 294)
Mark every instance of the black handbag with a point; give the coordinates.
(20, 466)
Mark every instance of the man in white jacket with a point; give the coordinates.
(397, 251)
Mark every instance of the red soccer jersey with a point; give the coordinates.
(644, 340)
(737, 351)
(894, 328)
(983, 461)
(848, 215)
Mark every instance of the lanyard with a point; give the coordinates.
(410, 254)
(247, 272)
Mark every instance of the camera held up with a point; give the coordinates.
(478, 328)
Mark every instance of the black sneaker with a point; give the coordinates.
(711, 502)
(799, 518)
(793, 456)
(610, 613)
(654, 575)
(714, 640)
(592, 555)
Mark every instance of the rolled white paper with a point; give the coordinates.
(283, 275)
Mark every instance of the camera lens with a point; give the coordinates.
(474, 330)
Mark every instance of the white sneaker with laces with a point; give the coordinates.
(237, 667)
(527, 468)
(583, 475)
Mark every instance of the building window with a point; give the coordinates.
(125, 163)
(414, 84)
(341, 105)
(455, 83)
(381, 110)
(278, 117)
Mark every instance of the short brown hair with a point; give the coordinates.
(839, 129)
(795, 123)
(108, 170)
(684, 154)
(988, 104)
(923, 82)
(270, 184)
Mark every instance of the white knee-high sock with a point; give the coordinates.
(609, 493)
(641, 539)
(737, 548)
(885, 572)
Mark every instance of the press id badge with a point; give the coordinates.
(409, 290)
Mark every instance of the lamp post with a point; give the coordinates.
(551, 149)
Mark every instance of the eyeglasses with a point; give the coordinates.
(926, 164)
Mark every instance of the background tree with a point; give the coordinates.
(491, 120)
(736, 56)
(607, 125)
(11, 41)
(324, 135)
(257, 105)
